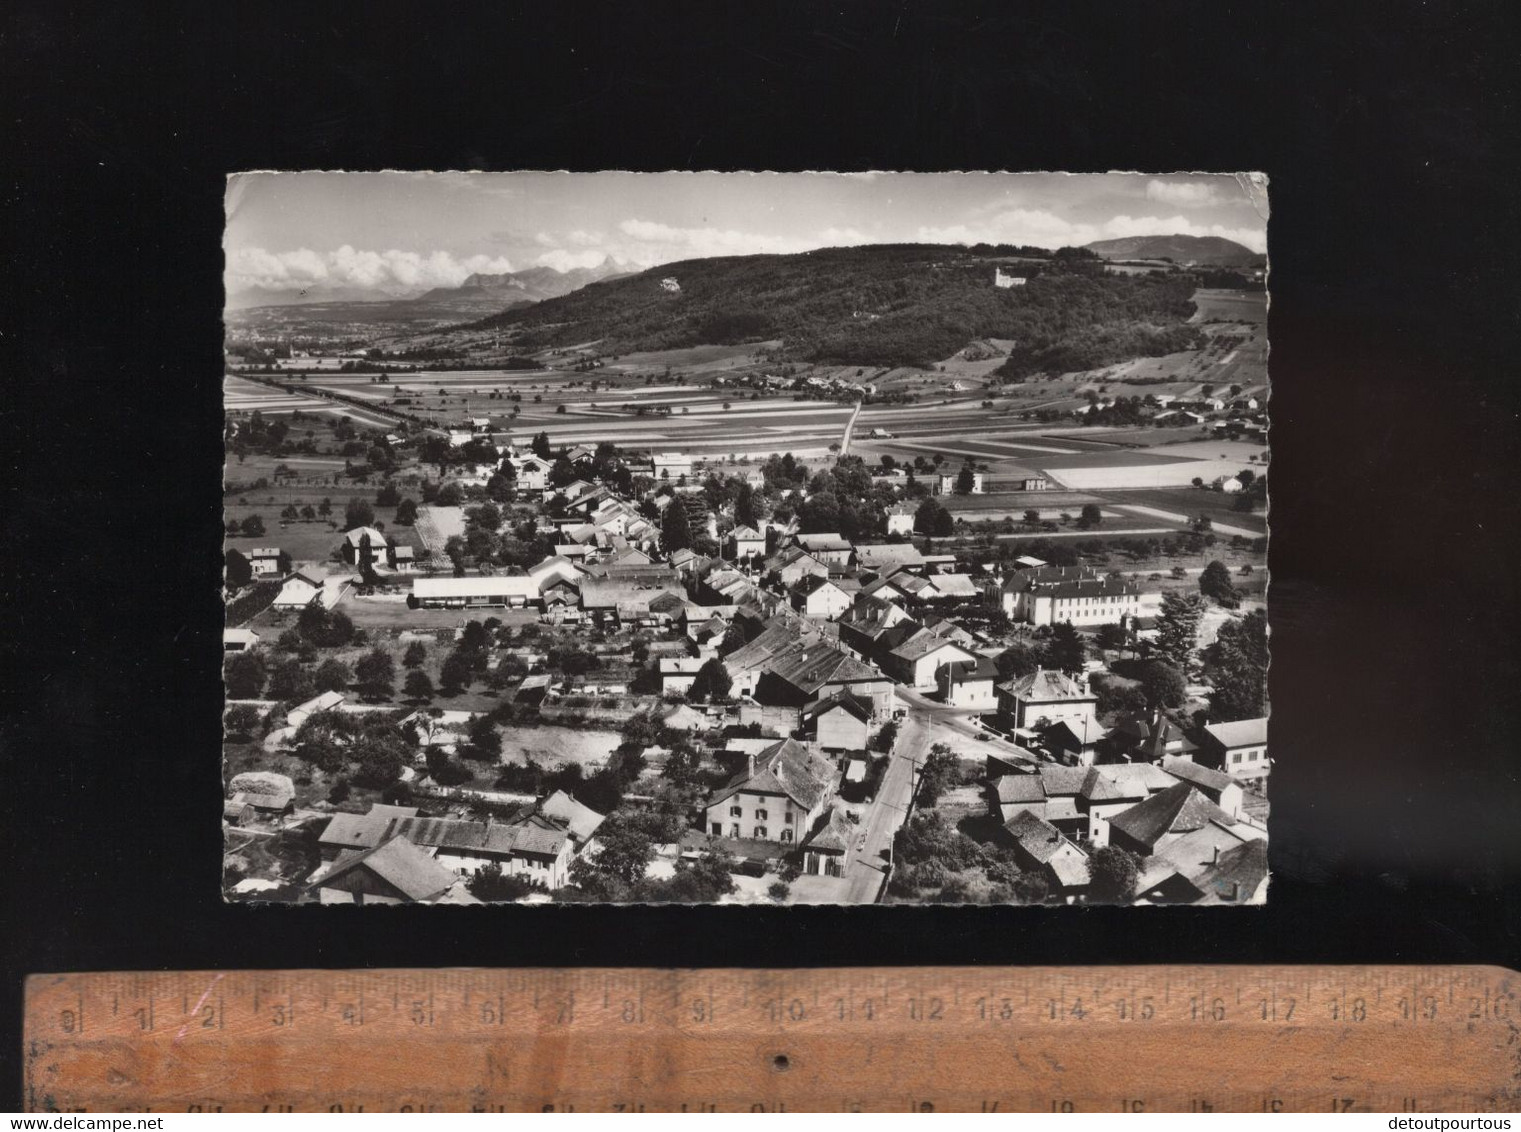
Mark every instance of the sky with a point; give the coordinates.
(380, 234)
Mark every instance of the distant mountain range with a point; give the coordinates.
(1215, 251)
(876, 304)
(477, 296)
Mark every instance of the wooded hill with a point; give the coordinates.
(884, 305)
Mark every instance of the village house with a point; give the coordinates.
(393, 872)
(886, 558)
(840, 722)
(266, 560)
(793, 563)
(1040, 848)
(779, 795)
(969, 683)
(302, 588)
(917, 658)
(900, 520)
(1219, 787)
(819, 597)
(1239, 749)
(530, 472)
(1167, 816)
(803, 672)
(830, 548)
(745, 543)
(1043, 697)
(1048, 595)
(538, 850)
(945, 483)
(671, 465)
(365, 540)
(825, 850)
(1198, 869)
(239, 640)
(678, 673)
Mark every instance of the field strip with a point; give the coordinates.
(1013, 449)
(1095, 533)
(1158, 513)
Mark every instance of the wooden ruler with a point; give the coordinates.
(1114, 1039)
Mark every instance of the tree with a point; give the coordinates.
(493, 886)
(1090, 516)
(325, 508)
(1178, 630)
(966, 479)
(1112, 875)
(416, 653)
(290, 682)
(388, 496)
(1020, 659)
(358, 513)
(940, 772)
(252, 527)
(779, 890)
(457, 672)
(236, 570)
(1112, 636)
(1032, 517)
(744, 506)
(1163, 684)
(1215, 582)
(1030, 888)
(1066, 650)
(332, 675)
(675, 531)
(376, 672)
(244, 673)
(406, 512)
(712, 682)
(927, 515)
(241, 722)
(482, 742)
(1237, 665)
(450, 495)
(540, 445)
(417, 685)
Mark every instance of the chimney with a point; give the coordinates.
(1216, 859)
(750, 764)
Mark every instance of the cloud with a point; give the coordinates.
(562, 260)
(1040, 228)
(1182, 193)
(390, 270)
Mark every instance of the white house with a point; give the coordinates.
(1044, 697)
(671, 465)
(900, 519)
(300, 589)
(945, 484)
(264, 559)
(1002, 280)
(1047, 595)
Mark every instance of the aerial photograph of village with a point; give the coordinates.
(746, 538)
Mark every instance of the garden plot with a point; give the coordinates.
(555, 746)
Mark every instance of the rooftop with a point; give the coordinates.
(1243, 733)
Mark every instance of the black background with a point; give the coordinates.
(1388, 132)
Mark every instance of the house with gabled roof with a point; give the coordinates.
(968, 683)
(916, 660)
(803, 671)
(392, 872)
(888, 557)
(1148, 826)
(1044, 697)
(301, 589)
(825, 851)
(267, 560)
(745, 542)
(841, 721)
(1219, 787)
(818, 597)
(778, 797)
(793, 563)
(900, 519)
(1039, 847)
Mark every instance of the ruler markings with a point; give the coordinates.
(829, 1039)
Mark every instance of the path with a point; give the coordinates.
(849, 425)
(866, 867)
(1215, 525)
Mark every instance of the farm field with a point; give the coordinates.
(1018, 502)
(1192, 501)
(1234, 306)
(1205, 460)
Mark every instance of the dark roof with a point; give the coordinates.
(858, 706)
(787, 768)
(1178, 809)
(1035, 835)
(1189, 771)
(1046, 684)
(982, 668)
(1013, 788)
(834, 833)
(400, 864)
(814, 666)
(1237, 874)
(1069, 581)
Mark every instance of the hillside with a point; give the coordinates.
(489, 294)
(885, 304)
(1213, 251)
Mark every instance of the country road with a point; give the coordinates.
(849, 426)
